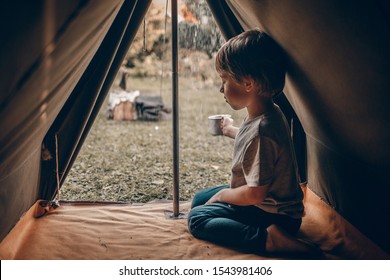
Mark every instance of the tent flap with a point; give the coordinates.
(52, 88)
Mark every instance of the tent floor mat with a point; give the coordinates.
(112, 231)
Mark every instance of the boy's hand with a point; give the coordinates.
(242, 196)
(227, 127)
(215, 198)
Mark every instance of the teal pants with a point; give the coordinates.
(240, 227)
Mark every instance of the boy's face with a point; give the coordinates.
(233, 91)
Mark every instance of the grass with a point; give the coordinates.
(131, 161)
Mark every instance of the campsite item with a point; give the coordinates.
(215, 124)
(130, 105)
(149, 107)
(121, 105)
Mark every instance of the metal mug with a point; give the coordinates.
(215, 124)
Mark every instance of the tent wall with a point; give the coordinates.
(337, 83)
(58, 59)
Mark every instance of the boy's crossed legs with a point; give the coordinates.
(247, 228)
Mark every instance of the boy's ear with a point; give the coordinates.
(249, 84)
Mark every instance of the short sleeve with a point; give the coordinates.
(259, 161)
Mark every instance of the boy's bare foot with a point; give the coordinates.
(279, 241)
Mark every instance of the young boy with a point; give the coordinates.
(262, 208)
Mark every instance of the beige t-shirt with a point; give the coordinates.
(263, 155)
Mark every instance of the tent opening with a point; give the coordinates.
(130, 161)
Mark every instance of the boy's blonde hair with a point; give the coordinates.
(253, 54)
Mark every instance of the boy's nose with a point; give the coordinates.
(221, 89)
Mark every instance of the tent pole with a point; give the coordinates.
(175, 109)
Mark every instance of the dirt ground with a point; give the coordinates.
(131, 161)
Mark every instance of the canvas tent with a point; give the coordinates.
(58, 60)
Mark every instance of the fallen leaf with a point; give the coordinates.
(216, 167)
